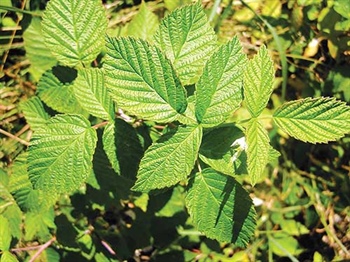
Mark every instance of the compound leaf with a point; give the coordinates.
(60, 154)
(74, 30)
(314, 120)
(187, 39)
(219, 89)
(34, 112)
(258, 82)
(57, 94)
(142, 80)
(144, 24)
(169, 160)
(258, 148)
(91, 93)
(38, 54)
(220, 207)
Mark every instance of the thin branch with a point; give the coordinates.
(42, 248)
(26, 143)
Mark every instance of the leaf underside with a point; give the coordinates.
(314, 120)
(187, 39)
(220, 207)
(60, 154)
(142, 80)
(169, 160)
(219, 89)
(74, 30)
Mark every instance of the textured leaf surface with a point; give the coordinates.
(218, 152)
(38, 54)
(258, 82)
(7, 256)
(34, 112)
(74, 30)
(220, 207)
(90, 91)
(142, 81)
(5, 233)
(60, 154)
(169, 160)
(38, 224)
(144, 24)
(258, 149)
(219, 89)
(108, 139)
(187, 39)
(57, 95)
(314, 120)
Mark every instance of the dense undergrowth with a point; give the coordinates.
(302, 200)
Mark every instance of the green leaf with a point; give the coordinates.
(258, 149)
(60, 154)
(220, 207)
(219, 151)
(144, 24)
(38, 224)
(74, 30)
(187, 39)
(91, 93)
(5, 233)
(108, 139)
(34, 112)
(7, 256)
(219, 89)
(38, 54)
(314, 120)
(169, 160)
(57, 94)
(142, 81)
(258, 82)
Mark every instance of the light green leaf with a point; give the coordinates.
(38, 54)
(58, 94)
(188, 40)
(74, 30)
(34, 112)
(142, 81)
(258, 148)
(91, 93)
(108, 139)
(7, 256)
(144, 24)
(219, 150)
(60, 154)
(314, 120)
(258, 82)
(5, 233)
(220, 207)
(169, 160)
(219, 89)
(38, 224)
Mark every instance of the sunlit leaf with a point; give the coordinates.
(34, 112)
(142, 81)
(314, 120)
(188, 40)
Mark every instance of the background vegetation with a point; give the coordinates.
(303, 199)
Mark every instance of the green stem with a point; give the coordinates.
(213, 10)
(281, 51)
(18, 10)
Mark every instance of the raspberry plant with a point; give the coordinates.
(151, 80)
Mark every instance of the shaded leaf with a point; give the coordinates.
(74, 30)
(169, 160)
(142, 81)
(220, 207)
(219, 89)
(314, 120)
(187, 39)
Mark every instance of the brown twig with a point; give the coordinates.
(26, 143)
(42, 248)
